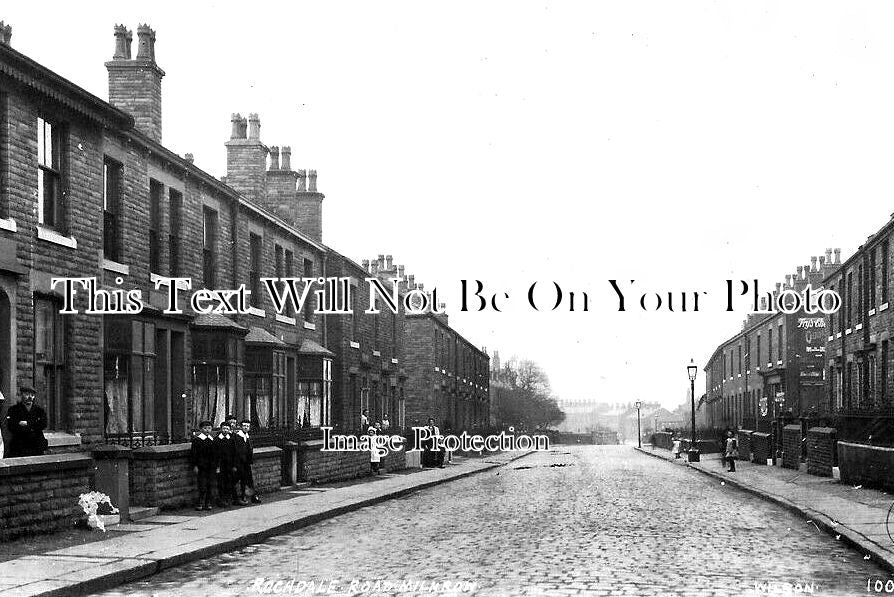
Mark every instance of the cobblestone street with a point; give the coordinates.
(582, 520)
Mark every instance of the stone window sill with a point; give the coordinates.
(312, 326)
(285, 319)
(859, 327)
(181, 284)
(377, 353)
(114, 266)
(54, 237)
(882, 307)
(872, 312)
(60, 439)
(355, 345)
(8, 224)
(394, 361)
(257, 312)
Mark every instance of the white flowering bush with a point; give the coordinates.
(91, 502)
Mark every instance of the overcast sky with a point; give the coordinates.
(677, 144)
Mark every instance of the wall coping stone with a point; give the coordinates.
(50, 462)
(760, 434)
(111, 452)
(865, 446)
(746, 431)
(167, 452)
(267, 451)
(792, 427)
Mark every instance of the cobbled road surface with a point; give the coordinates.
(578, 520)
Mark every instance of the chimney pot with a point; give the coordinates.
(374, 266)
(145, 43)
(813, 263)
(254, 126)
(238, 131)
(388, 262)
(286, 158)
(302, 180)
(837, 256)
(274, 158)
(822, 261)
(312, 181)
(5, 34)
(788, 280)
(365, 264)
(189, 157)
(420, 286)
(829, 256)
(123, 38)
(411, 280)
(800, 272)
(400, 272)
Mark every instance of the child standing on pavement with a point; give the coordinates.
(375, 457)
(203, 455)
(226, 467)
(732, 451)
(244, 458)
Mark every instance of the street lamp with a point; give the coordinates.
(639, 433)
(692, 370)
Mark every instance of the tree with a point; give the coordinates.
(523, 398)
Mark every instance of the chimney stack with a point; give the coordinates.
(135, 85)
(286, 158)
(302, 181)
(274, 158)
(247, 158)
(813, 267)
(5, 34)
(400, 272)
(837, 256)
(311, 181)
(388, 262)
(365, 264)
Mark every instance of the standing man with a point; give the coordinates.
(26, 422)
(364, 421)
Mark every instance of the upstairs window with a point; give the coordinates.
(885, 271)
(254, 272)
(156, 191)
(308, 306)
(111, 209)
(289, 259)
(175, 200)
(209, 247)
(49, 174)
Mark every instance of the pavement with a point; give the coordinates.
(859, 516)
(164, 541)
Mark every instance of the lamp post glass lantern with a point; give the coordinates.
(692, 371)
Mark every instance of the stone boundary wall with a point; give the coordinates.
(821, 451)
(761, 447)
(162, 476)
(39, 494)
(791, 446)
(744, 437)
(325, 467)
(870, 466)
(663, 439)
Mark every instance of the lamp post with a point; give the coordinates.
(639, 433)
(692, 370)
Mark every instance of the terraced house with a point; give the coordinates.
(88, 190)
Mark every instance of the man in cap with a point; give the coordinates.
(26, 422)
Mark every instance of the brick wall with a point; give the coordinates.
(791, 446)
(872, 466)
(266, 469)
(821, 451)
(326, 467)
(745, 444)
(663, 439)
(761, 448)
(40, 493)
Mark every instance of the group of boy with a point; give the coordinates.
(227, 456)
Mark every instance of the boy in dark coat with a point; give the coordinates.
(203, 454)
(244, 458)
(226, 467)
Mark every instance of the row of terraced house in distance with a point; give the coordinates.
(87, 189)
(816, 390)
